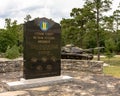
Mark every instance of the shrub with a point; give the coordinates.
(109, 54)
(12, 52)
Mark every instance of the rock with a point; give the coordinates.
(105, 64)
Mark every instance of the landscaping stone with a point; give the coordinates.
(66, 64)
(84, 83)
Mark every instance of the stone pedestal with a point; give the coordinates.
(31, 83)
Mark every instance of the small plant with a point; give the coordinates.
(12, 52)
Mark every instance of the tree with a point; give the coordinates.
(27, 18)
(68, 31)
(116, 15)
(9, 36)
(74, 30)
(111, 24)
(82, 18)
(98, 6)
(7, 23)
(108, 23)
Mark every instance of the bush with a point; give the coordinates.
(109, 54)
(21, 49)
(12, 53)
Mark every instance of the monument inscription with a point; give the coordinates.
(42, 48)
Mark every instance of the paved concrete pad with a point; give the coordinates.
(15, 93)
(31, 83)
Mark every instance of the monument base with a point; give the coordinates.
(31, 83)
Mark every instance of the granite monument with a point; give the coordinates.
(42, 48)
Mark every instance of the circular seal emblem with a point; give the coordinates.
(44, 25)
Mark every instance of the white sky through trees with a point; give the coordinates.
(55, 9)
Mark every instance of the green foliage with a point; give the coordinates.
(6, 39)
(11, 35)
(89, 28)
(21, 49)
(27, 18)
(109, 55)
(12, 53)
(110, 48)
(74, 30)
(69, 33)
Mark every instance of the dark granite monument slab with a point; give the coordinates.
(42, 48)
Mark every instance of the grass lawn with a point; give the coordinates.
(114, 68)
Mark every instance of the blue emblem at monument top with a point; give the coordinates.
(44, 26)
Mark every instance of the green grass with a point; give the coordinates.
(115, 61)
(114, 68)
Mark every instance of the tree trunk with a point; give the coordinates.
(98, 31)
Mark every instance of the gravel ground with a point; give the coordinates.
(83, 84)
